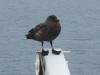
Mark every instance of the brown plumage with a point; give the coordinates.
(46, 31)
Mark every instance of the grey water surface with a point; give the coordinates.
(80, 34)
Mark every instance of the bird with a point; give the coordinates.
(46, 31)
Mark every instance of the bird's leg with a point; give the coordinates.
(51, 45)
(44, 53)
(42, 45)
(54, 51)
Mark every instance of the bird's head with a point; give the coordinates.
(52, 18)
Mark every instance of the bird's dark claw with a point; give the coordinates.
(56, 52)
(45, 53)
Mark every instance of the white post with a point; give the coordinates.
(51, 64)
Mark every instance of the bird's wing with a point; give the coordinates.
(40, 31)
(39, 27)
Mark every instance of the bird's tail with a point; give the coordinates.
(30, 36)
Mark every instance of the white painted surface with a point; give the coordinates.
(37, 64)
(56, 64)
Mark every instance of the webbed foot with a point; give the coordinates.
(56, 52)
(45, 53)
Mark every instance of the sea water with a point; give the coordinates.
(80, 21)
